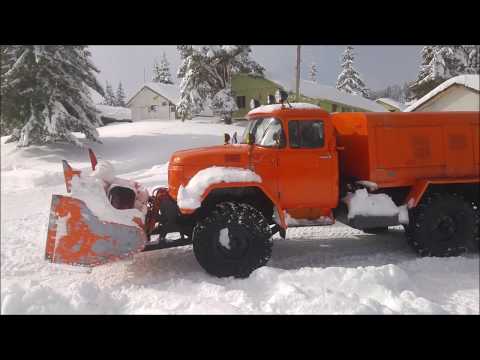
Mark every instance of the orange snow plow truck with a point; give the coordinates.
(295, 165)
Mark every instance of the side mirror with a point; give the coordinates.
(276, 138)
(226, 138)
(250, 139)
(279, 139)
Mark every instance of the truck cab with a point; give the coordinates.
(294, 150)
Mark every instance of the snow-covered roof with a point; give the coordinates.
(469, 81)
(273, 107)
(391, 102)
(114, 112)
(169, 91)
(319, 91)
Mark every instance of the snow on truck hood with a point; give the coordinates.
(190, 196)
(230, 155)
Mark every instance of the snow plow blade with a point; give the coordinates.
(76, 236)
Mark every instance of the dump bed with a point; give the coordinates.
(395, 149)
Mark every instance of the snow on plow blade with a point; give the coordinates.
(78, 237)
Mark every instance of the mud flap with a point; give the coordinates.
(77, 237)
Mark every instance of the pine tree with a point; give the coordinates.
(120, 96)
(313, 72)
(349, 79)
(45, 93)
(161, 73)
(109, 98)
(442, 62)
(206, 73)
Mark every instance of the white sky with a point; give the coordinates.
(379, 65)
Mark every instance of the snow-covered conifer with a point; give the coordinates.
(442, 62)
(206, 73)
(109, 98)
(120, 96)
(161, 72)
(45, 91)
(313, 72)
(349, 79)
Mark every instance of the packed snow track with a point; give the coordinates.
(319, 270)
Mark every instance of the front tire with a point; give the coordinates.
(443, 225)
(233, 240)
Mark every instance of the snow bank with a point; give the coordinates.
(114, 112)
(365, 204)
(404, 288)
(190, 196)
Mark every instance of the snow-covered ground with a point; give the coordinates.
(331, 269)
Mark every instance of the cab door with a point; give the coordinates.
(269, 140)
(308, 168)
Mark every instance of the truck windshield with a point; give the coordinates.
(265, 131)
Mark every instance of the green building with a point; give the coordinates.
(247, 87)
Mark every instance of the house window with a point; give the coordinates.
(153, 108)
(334, 107)
(164, 103)
(241, 102)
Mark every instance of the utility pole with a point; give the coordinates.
(298, 75)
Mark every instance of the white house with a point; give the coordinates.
(460, 93)
(154, 101)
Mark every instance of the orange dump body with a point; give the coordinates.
(398, 149)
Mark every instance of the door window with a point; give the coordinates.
(306, 134)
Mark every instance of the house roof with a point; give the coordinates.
(469, 81)
(170, 92)
(391, 102)
(319, 91)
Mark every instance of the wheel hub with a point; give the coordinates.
(238, 243)
(447, 227)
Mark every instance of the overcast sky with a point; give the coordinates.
(379, 65)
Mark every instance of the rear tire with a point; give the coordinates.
(246, 246)
(443, 225)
